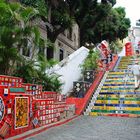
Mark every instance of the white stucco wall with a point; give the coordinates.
(70, 68)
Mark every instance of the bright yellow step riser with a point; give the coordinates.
(105, 114)
(116, 102)
(117, 83)
(116, 108)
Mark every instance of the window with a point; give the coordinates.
(61, 55)
(60, 44)
(50, 53)
(26, 49)
(42, 47)
(41, 50)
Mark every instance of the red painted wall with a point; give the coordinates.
(128, 49)
(80, 103)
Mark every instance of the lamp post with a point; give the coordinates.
(89, 45)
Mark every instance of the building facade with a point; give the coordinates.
(65, 44)
(134, 36)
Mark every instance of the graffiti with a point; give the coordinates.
(21, 112)
(1, 109)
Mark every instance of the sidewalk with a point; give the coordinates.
(94, 128)
(40, 129)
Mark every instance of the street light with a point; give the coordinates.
(89, 45)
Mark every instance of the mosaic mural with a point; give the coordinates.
(21, 112)
(1, 109)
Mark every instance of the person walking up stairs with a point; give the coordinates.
(136, 72)
(117, 96)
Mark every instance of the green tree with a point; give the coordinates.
(97, 20)
(88, 14)
(57, 18)
(50, 82)
(15, 32)
(124, 23)
(113, 27)
(112, 2)
(35, 72)
(40, 5)
(26, 70)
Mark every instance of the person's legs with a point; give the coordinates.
(136, 81)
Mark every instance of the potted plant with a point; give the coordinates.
(90, 65)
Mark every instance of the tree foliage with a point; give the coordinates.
(114, 26)
(112, 2)
(96, 20)
(40, 5)
(99, 21)
(57, 19)
(35, 72)
(90, 62)
(15, 32)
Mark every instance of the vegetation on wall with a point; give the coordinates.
(90, 62)
(35, 72)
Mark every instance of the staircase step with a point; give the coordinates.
(125, 99)
(120, 92)
(115, 108)
(116, 111)
(116, 101)
(118, 105)
(117, 88)
(119, 81)
(117, 84)
(117, 96)
(115, 115)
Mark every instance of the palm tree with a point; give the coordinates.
(50, 82)
(15, 32)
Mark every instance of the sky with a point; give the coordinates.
(132, 9)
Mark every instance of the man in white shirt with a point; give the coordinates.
(136, 72)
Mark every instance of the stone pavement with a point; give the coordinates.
(94, 128)
(41, 129)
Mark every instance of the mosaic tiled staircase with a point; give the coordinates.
(117, 96)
